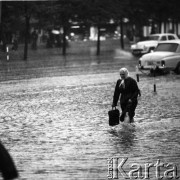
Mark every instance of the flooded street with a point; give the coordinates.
(57, 127)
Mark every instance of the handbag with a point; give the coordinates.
(113, 117)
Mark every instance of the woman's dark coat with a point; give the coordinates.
(130, 91)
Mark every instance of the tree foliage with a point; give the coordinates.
(18, 15)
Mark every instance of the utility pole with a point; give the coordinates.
(0, 10)
(0, 20)
(27, 21)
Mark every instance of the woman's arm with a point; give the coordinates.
(135, 90)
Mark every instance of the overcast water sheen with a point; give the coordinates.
(57, 128)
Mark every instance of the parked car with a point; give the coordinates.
(143, 47)
(165, 57)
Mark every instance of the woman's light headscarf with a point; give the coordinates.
(125, 71)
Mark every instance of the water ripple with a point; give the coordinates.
(61, 131)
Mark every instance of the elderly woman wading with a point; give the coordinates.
(128, 89)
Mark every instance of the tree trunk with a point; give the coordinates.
(27, 19)
(122, 34)
(64, 41)
(2, 35)
(0, 21)
(0, 10)
(165, 29)
(177, 28)
(153, 31)
(160, 26)
(98, 41)
(173, 26)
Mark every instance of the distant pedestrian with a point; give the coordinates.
(50, 40)
(34, 37)
(14, 43)
(128, 91)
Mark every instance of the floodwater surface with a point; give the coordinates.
(57, 128)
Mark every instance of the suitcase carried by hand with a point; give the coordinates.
(113, 117)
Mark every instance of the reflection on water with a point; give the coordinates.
(57, 128)
(124, 137)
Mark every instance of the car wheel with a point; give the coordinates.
(135, 54)
(177, 70)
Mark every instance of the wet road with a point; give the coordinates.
(57, 128)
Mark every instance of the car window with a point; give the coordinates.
(153, 38)
(163, 38)
(169, 47)
(171, 37)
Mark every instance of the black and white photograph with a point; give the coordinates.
(89, 89)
